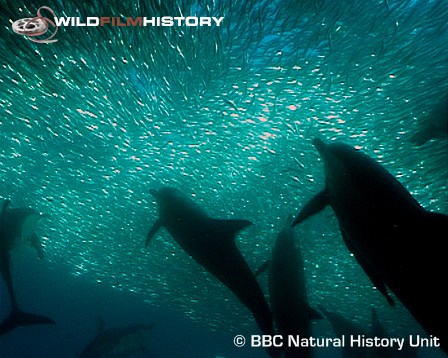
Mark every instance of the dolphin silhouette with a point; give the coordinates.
(211, 243)
(16, 224)
(287, 290)
(118, 342)
(396, 241)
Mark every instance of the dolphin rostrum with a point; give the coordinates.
(16, 224)
(211, 243)
(396, 241)
(287, 290)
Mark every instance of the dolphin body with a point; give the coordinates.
(288, 295)
(16, 224)
(396, 241)
(120, 342)
(211, 243)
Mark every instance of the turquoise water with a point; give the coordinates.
(226, 114)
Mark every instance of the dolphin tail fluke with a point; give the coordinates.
(19, 318)
(315, 205)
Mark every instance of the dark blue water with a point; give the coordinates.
(226, 114)
(76, 303)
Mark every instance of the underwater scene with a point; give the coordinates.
(210, 178)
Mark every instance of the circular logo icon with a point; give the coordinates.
(36, 26)
(239, 341)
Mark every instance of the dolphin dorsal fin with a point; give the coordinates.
(227, 228)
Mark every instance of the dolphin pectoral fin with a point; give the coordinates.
(264, 266)
(155, 227)
(374, 277)
(314, 315)
(315, 205)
